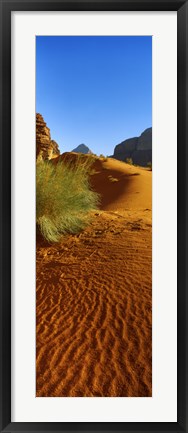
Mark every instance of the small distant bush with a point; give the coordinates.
(129, 161)
(104, 158)
(149, 165)
(63, 197)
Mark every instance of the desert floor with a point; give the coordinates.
(94, 295)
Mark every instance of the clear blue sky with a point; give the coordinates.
(95, 90)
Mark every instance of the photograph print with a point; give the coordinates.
(93, 216)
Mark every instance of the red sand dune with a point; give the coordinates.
(94, 295)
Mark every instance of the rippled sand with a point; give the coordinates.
(94, 299)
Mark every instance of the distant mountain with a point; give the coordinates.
(139, 149)
(82, 148)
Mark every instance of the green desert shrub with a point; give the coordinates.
(63, 198)
(149, 165)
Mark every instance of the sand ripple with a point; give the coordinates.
(94, 322)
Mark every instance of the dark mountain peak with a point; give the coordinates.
(82, 148)
(139, 149)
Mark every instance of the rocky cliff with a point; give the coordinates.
(45, 147)
(139, 149)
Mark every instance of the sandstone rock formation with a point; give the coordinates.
(55, 148)
(45, 147)
(82, 148)
(139, 149)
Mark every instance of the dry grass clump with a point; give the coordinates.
(63, 197)
(104, 158)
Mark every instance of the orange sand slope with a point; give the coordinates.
(94, 295)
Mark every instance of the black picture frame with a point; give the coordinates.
(6, 7)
